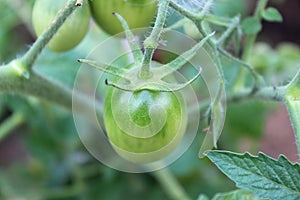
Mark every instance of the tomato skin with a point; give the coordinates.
(137, 13)
(153, 148)
(70, 33)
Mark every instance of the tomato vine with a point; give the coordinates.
(19, 76)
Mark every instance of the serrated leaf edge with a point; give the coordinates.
(281, 156)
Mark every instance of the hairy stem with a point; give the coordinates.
(9, 124)
(151, 42)
(43, 88)
(233, 25)
(250, 40)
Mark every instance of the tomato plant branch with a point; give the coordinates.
(250, 40)
(216, 45)
(259, 80)
(263, 93)
(170, 184)
(30, 56)
(44, 88)
(151, 42)
(275, 93)
(10, 123)
(232, 26)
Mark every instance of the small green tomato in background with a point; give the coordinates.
(144, 126)
(70, 33)
(137, 13)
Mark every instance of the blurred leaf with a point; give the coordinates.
(59, 67)
(7, 20)
(251, 25)
(20, 183)
(229, 8)
(272, 15)
(266, 177)
(246, 119)
(276, 65)
(289, 51)
(236, 195)
(2, 107)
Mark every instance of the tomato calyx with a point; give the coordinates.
(155, 82)
(130, 79)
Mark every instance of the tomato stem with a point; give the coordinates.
(133, 42)
(20, 69)
(47, 89)
(259, 80)
(151, 42)
(250, 40)
(232, 26)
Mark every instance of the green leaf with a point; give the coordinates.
(251, 25)
(266, 177)
(272, 15)
(236, 195)
(292, 101)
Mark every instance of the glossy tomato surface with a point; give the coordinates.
(70, 33)
(144, 126)
(137, 13)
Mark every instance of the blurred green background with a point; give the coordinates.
(43, 158)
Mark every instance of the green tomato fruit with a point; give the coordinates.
(70, 33)
(144, 126)
(137, 13)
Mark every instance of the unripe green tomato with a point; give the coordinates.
(137, 13)
(70, 33)
(144, 126)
